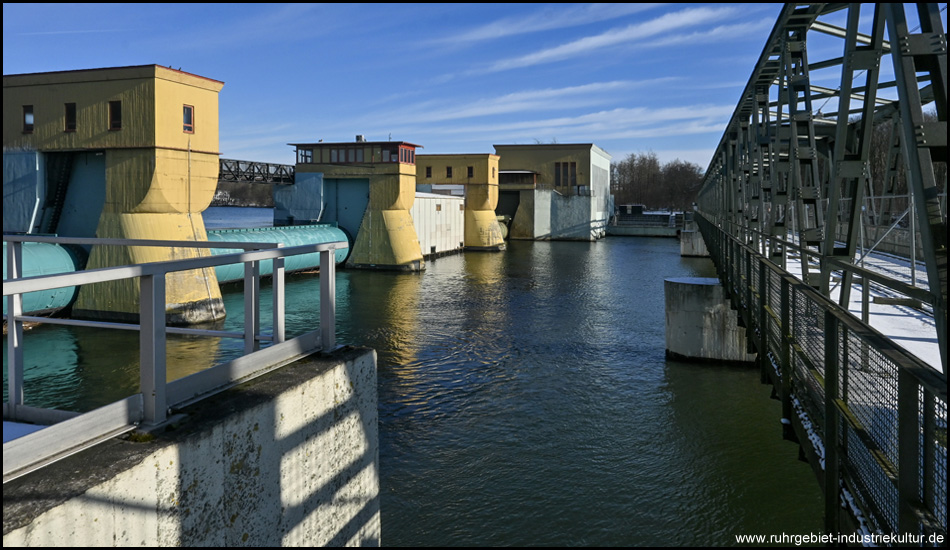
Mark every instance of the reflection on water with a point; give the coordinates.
(525, 399)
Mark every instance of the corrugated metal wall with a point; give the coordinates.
(440, 223)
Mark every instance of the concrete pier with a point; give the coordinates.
(288, 459)
(700, 325)
(692, 244)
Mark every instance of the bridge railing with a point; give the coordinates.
(870, 417)
(71, 431)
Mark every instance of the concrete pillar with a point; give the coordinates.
(692, 244)
(154, 194)
(482, 230)
(387, 238)
(700, 324)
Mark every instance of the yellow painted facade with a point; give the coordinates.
(479, 174)
(544, 159)
(387, 237)
(158, 130)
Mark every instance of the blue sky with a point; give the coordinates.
(452, 78)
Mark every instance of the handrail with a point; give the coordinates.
(150, 407)
(875, 415)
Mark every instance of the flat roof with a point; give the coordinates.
(338, 143)
(129, 68)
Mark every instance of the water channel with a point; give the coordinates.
(524, 399)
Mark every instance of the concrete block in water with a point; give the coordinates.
(288, 459)
(700, 324)
(692, 244)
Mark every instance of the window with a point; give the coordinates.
(304, 156)
(115, 115)
(27, 119)
(70, 125)
(189, 119)
(493, 172)
(565, 174)
(471, 171)
(428, 171)
(448, 171)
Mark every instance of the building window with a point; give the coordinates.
(70, 125)
(115, 115)
(27, 119)
(304, 156)
(448, 171)
(493, 172)
(428, 171)
(189, 119)
(471, 171)
(565, 174)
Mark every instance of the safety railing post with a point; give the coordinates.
(785, 355)
(908, 452)
(152, 368)
(252, 289)
(14, 331)
(831, 424)
(328, 299)
(277, 289)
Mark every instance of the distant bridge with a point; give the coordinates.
(786, 207)
(244, 171)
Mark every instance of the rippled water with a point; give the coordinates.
(525, 399)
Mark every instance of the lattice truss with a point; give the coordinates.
(813, 175)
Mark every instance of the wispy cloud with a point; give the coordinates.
(620, 123)
(522, 102)
(60, 33)
(669, 23)
(558, 17)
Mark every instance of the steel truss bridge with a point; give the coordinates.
(244, 171)
(786, 207)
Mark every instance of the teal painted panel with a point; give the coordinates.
(346, 202)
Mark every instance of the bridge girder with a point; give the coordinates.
(792, 175)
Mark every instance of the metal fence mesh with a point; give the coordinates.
(867, 378)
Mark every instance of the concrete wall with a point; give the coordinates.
(576, 210)
(439, 222)
(289, 459)
(692, 244)
(700, 324)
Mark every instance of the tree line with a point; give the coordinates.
(641, 179)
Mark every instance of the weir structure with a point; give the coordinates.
(128, 153)
(791, 189)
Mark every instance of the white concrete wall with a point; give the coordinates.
(439, 222)
(700, 324)
(289, 459)
(692, 244)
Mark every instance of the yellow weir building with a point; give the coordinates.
(132, 152)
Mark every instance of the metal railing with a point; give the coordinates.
(156, 397)
(870, 417)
